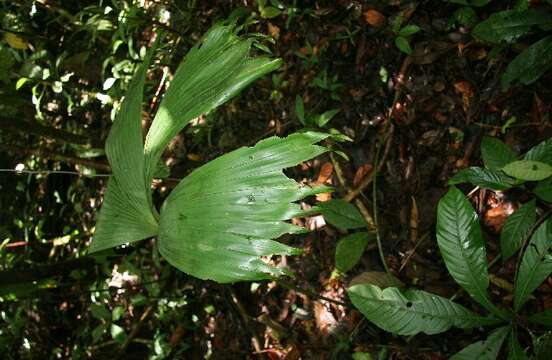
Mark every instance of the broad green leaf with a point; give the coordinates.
(509, 25)
(542, 318)
(486, 349)
(530, 65)
(544, 190)
(349, 250)
(485, 178)
(536, 264)
(220, 220)
(409, 30)
(410, 312)
(495, 153)
(403, 45)
(323, 118)
(270, 12)
(100, 312)
(342, 214)
(516, 228)
(118, 333)
(515, 351)
(126, 214)
(461, 244)
(528, 170)
(541, 152)
(211, 73)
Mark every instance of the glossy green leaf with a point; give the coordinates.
(509, 25)
(409, 30)
(342, 214)
(487, 349)
(516, 228)
(349, 250)
(530, 65)
(544, 190)
(536, 264)
(515, 351)
(211, 73)
(542, 318)
(270, 12)
(479, 3)
(461, 244)
(410, 312)
(325, 117)
(126, 214)
(528, 170)
(485, 178)
(220, 220)
(495, 153)
(403, 45)
(541, 152)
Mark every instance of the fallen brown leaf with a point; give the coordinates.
(375, 18)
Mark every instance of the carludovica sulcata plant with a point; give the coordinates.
(222, 218)
(461, 243)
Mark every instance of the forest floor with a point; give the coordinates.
(427, 112)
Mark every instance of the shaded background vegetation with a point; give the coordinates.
(64, 66)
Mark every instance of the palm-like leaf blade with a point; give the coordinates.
(126, 213)
(211, 73)
(220, 220)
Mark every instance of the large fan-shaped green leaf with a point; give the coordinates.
(516, 228)
(126, 213)
(461, 244)
(210, 74)
(486, 349)
(536, 264)
(410, 312)
(219, 221)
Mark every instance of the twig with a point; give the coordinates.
(135, 330)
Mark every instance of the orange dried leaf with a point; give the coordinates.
(361, 174)
(466, 89)
(375, 18)
(325, 173)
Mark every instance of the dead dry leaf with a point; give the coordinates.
(375, 18)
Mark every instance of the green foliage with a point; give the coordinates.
(486, 349)
(403, 34)
(516, 228)
(528, 170)
(495, 153)
(460, 240)
(461, 244)
(349, 250)
(536, 264)
(410, 312)
(510, 25)
(221, 219)
(486, 178)
(342, 214)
